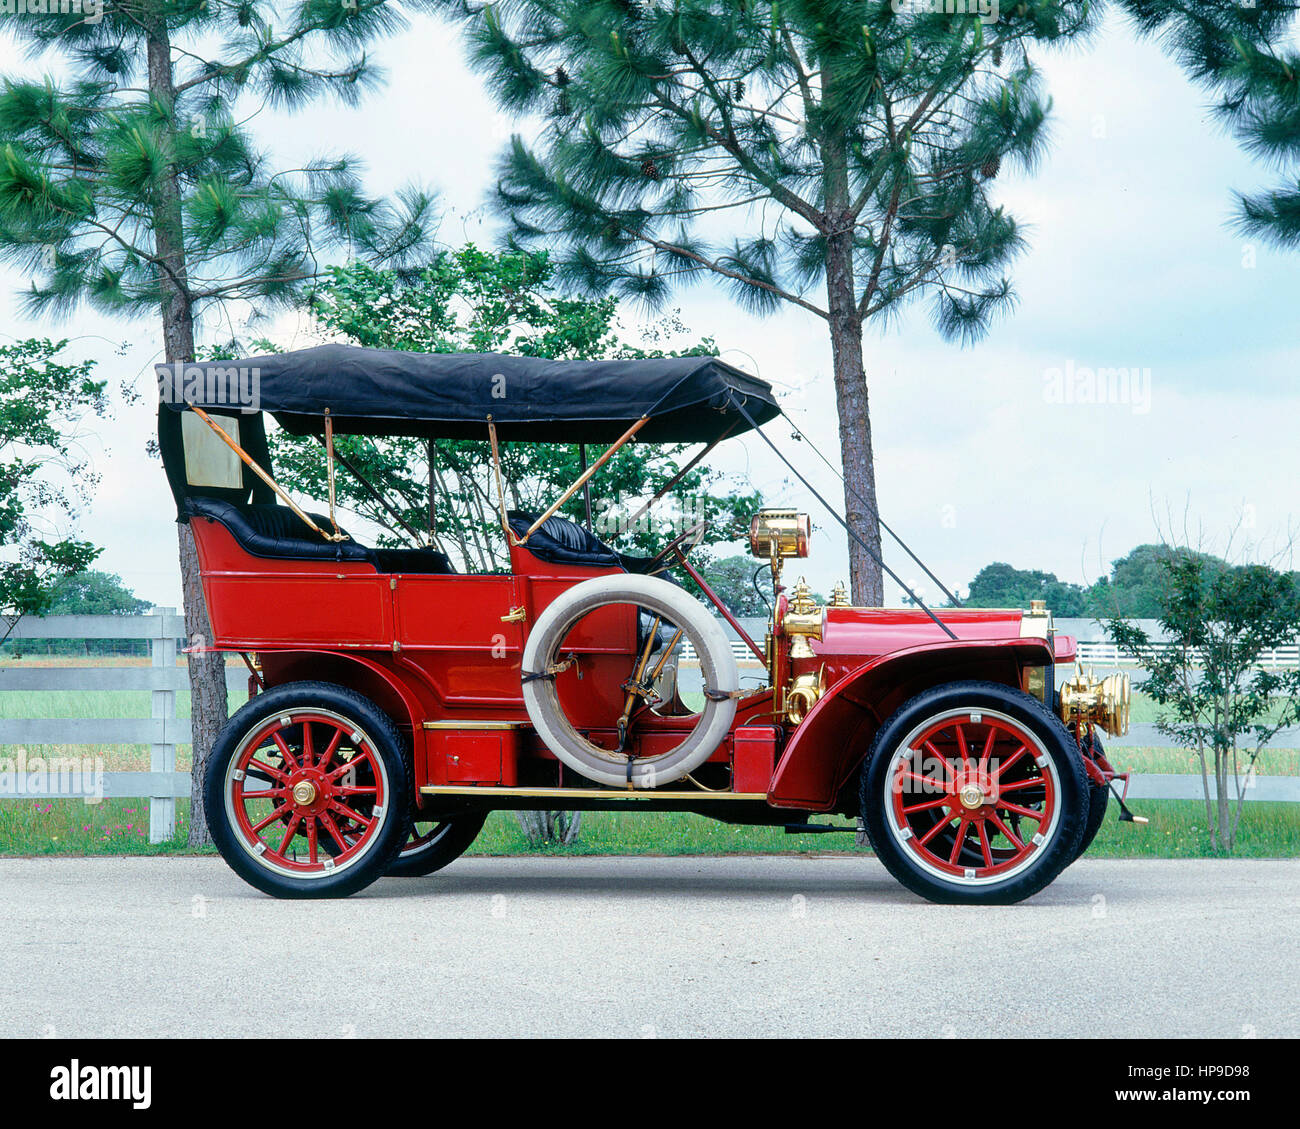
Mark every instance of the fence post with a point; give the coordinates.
(162, 809)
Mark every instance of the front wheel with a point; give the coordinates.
(974, 793)
(307, 791)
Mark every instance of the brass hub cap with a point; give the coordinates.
(971, 796)
(304, 793)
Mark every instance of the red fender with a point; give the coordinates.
(833, 739)
(364, 674)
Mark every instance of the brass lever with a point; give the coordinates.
(516, 615)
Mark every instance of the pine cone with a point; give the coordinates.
(997, 54)
(989, 169)
(649, 169)
(561, 77)
(738, 91)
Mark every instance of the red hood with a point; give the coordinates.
(868, 632)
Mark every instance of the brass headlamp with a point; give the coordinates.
(779, 534)
(1105, 702)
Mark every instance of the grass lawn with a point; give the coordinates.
(120, 827)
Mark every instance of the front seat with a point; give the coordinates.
(561, 541)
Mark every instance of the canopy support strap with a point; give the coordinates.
(585, 477)
(257, 470)
(952, 599)
(511, 539)
(329, 464)
(417, 538)
(847, 528)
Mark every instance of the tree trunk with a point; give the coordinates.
(851, 404)
(865, 575)
(542, 828)
(207, 671)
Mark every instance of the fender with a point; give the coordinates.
(833, 739)
(362, 673)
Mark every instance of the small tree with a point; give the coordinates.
(1245, 51)
(45, 477)
(1220, 620)
(137, 188)
(833, 155)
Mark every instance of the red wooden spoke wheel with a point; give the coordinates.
(974, 795)
(974, 792)
(308, 791)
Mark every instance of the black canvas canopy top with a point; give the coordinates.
(452, 395)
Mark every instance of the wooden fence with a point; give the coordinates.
(162, 731)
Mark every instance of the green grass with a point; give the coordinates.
(120, 827)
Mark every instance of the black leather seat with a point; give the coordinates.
(277, 532)
(561, 541)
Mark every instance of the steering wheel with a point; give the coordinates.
(685, 542)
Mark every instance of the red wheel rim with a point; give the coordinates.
(307, 793)
(973, 796)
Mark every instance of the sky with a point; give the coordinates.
(987, 453)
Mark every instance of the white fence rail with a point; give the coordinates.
(162, 731)
(1098, 654)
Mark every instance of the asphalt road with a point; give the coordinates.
(646, 947)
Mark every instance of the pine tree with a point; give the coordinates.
(1245, 51)
(135, 187)
(836, 155)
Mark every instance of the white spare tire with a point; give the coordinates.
(676, 606)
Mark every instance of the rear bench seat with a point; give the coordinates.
(277, 532)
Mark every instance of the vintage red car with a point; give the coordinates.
(396, 702)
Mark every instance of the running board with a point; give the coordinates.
(470, 790)
(815, 829)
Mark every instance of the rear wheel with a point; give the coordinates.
(434, 844)
(307, 792)
(974, 793)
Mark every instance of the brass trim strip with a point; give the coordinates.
(584, 793)
(472, 724)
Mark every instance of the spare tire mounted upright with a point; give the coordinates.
(542, 661)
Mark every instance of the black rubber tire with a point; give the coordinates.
(453, 839)
(1098, 802)
(388, 744)
(1048, 862)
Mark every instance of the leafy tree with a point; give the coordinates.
(470, 300)
(835, 155)
(1215, 697)
(45, 476)
(732, 578)
(1000, 585)
(94, 593)
(1244, 51)
(136, 187)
